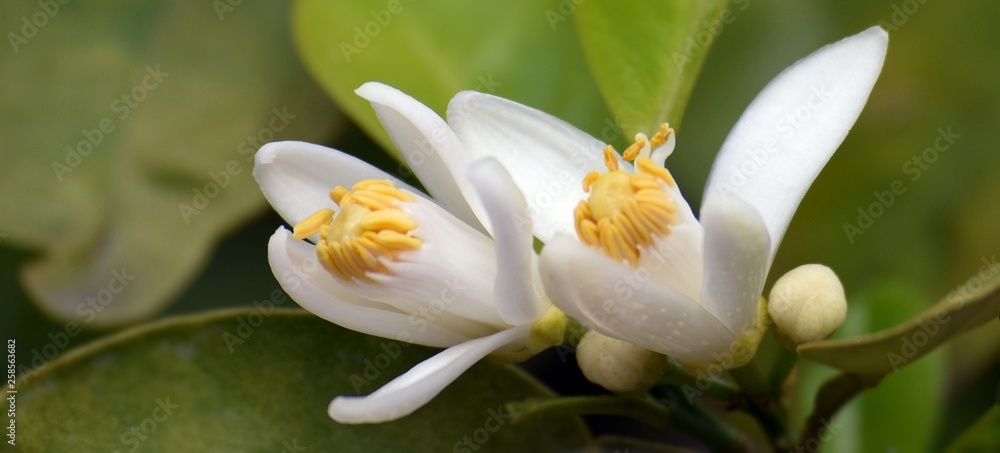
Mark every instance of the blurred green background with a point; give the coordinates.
(231, 67)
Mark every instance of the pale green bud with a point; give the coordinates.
(807, 304)
(619, 366)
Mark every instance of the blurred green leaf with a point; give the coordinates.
(646, 55)
(257, 380)
(130, 129)
(974, 303)
(983, 436)
(901, 413)
(433, 50)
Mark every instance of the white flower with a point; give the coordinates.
(641, 267)
(383, 259)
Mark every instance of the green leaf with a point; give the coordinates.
(129, 131)
(646, 55)
(257, 380)
(433, 50)
(984, 435)
(974, 303)
(852, 409)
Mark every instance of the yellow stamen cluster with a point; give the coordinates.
(369, 230)
(626, 211)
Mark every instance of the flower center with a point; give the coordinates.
(369, 230)
(626, 211)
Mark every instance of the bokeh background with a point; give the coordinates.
(247, 72)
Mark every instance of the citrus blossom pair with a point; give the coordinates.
(624, 253)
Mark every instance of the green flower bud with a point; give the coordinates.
(619, 366)
(807, 304)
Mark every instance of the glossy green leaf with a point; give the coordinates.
(433, 50)
(129, 129)
(646, 55)
(972, 304)
(260, 380)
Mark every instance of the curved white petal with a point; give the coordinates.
(737, 258)
(428, 145)
(299, 273)
(795, 124)
(676, 260)
(452, 273)
(546, 157)
(415, 388)
(626, 303)
(515, 294)
(296, 177)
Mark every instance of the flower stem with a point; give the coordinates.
(831, 397)
(783, 366)
(762, 403)
(707, 431)
(716, 388)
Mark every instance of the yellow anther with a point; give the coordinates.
(388, 219)
(312, 224)
(398, 241)
(369, 231)
(633, 150)
(610, 158)
(337, 194)
(390, 190)
(589, 179)
(646, 165)
(661, 135)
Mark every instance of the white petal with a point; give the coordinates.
(677, 258)
(298, 271)
(296, 177)
(662, 152)
(546, 156)
(409, 392)
(516, 296)
(452, 273)
(737, 257)
(795, 124)
(427, 144)
(627, 304)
